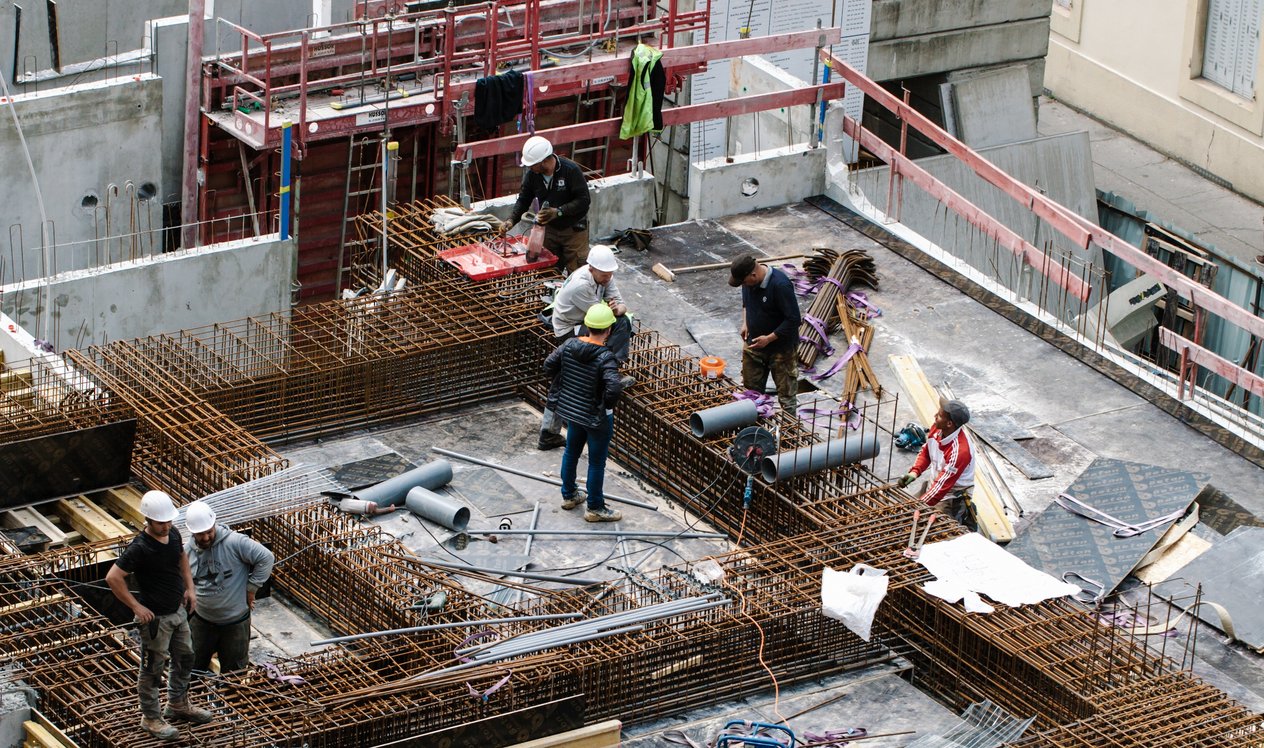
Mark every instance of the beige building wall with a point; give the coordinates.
(1137, 64)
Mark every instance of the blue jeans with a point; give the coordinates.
(598, 441)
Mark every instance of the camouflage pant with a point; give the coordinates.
(784, 367)
(162, 640)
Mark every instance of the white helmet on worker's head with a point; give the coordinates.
(601, 257)
(157, 506)
(535, 150)
(198, 517)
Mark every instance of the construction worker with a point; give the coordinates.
(591, 284)
(950, 456)
(562, 191)
(228, 569)
(770, 329)
(157, 559)
(588, 388)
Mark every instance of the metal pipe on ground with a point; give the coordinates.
(533, 476)
(432, 476)
(430, 505)
(723, 417)
(631, 534)
(814, 457)
(439, 626)
(511, 573)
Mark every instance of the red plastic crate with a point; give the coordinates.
(479, 262)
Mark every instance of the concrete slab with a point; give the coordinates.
(875, 699)
(993, 108)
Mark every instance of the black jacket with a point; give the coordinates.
(586, 381)
(568, 193)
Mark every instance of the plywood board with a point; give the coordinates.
(1232, 574)
(1061, 542)
(1183, 551)
(993, 523)
(1224, 515)
(370, 471)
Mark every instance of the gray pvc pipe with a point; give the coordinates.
(432, 475)
(723, 417)
(809, 459)
(426, 503)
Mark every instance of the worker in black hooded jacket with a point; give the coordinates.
(586, 386)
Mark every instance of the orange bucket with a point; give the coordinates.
(712, 367)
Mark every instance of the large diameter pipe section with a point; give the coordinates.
(426, 503)
(810, 459)
(431, 476)
(732, 415)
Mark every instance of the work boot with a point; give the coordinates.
(159, 728)
(550, 441)
(604, 514)
(627, 380)
(572, 502)
(188, 712)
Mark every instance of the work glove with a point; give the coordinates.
(505, 225)
(906, 479)
(545, 215)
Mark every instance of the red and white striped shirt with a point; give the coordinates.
(952, 459)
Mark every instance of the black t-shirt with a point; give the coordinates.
(157, 570)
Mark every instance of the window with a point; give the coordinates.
(1232, 43)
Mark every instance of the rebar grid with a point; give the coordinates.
(1174, 710)
(414, 245)
(1051, 659)
(46, 395)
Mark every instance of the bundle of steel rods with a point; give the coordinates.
(851, 268)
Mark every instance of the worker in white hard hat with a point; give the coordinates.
(559, 186)
(589, 285)
(228, 569)
(157, 561)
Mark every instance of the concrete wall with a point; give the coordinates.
(1148, 83)
(776, 128)
(618, 203)
(87, 30)
(1060, 166)
(753, 181)
(179, 290)
(82, 140)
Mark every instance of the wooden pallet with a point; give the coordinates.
(988, 504)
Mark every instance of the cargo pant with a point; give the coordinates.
(231, 641)
(162, 639)
(959, 504)
(784, 367)
(569, 244)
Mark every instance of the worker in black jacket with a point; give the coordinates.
(586, 388)
(559, 183)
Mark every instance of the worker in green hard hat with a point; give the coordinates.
(585, 389)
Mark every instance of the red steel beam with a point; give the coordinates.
(1064, 220)
(1191, 351)
(1005, 236)
(694, 54)
(609, 128)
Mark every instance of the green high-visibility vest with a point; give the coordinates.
(638, 112)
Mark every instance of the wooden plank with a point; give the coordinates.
(27, 517)
(924, 399)
(601, 735)
(124, 502)
(89, 518)
(63, 740)
(39, 737)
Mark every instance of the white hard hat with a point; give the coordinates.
(535, 150)
(156, 505)
(198, 517)
(601, 257)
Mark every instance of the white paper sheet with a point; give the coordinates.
(974, 563)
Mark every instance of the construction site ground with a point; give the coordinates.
(1076, 414)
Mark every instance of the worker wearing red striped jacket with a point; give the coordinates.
(950, 455)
